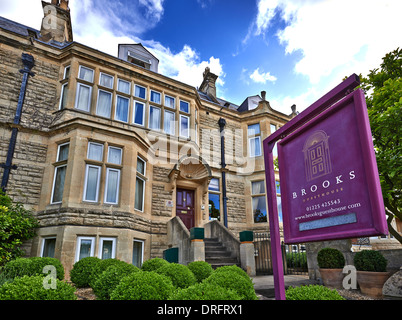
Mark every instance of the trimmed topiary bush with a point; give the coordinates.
(230, 279)
(101, 266)
(234, 269)
(200, 269)
(312, 292)
(205, 291)
(330, 258)
(153, 264)
(82, 270)
(110, 278)
(180, 275)
(32, 267)
(32, 288)
(370, 260)
(143, 286)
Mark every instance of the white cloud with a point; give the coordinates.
(261, 77)
(335, 37)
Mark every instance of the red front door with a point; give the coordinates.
(185, 207)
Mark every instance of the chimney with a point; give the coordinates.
(56, 23)
(208, 84)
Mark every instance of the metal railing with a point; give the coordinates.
(294, 256)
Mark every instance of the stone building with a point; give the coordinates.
(107, 151)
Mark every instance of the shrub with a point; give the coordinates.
(230, 279)
(143, 286)
(205, 291)
(370, 260)
(17, 224)
(32, 288)
(32, 267)
(110, 278)
(180, 275)
(330, 258)
(82, 270)
(153, 264)
(101, 266)
(200, 269)
(312, 292)
(234, 269)
(296, 259)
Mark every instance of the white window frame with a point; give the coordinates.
(88, 107)
(143, 194)
(145, 166)
(56, 169)
(106, 75)
(253, 155)
(137, 85)
(160, 118)
(98, 144)
(79, 72)
(97, 184)
(128, 108)
(111, 102)
(63, 88)
(188, 104)
(174, 102)
(54, 184)
(77, 250)
(171, 124)
(160, 97)
(43, 243)
(100, 246)
(142, 250)
(121, 154)
(65, 71)
(188, 127)
(106, 185)
(118, 85)
(143, 113)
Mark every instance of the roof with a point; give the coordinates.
(222, 102)
(17, 28)
(26, 31)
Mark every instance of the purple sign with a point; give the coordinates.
(329, 181)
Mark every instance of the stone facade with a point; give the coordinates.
(88, 201)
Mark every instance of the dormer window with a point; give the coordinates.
(139, 60)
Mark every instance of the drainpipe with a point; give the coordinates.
(222, 123)
(28, 62)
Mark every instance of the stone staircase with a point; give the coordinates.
(217, 255)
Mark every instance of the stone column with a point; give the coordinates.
(247, 258)
(197, 246)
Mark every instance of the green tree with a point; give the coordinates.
(383, 91)
(17, 224)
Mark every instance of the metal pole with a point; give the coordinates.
(277, 263)
(222, 123)
(28, 62)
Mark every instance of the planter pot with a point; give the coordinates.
(332, 277)
(371, 283)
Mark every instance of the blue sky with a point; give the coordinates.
(295, 50)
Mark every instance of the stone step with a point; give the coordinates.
(217, 255)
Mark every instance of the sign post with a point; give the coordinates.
(330, 187)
